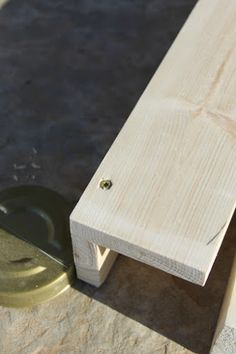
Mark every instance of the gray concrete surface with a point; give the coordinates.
(70, 73)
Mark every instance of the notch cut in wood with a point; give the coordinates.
(173, 166)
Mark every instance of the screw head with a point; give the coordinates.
(105, 184)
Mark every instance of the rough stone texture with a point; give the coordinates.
(71, 71)
(81, 326)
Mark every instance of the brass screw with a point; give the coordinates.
(105, 184)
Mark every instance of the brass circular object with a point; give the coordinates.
(105, 184)
(36, 262)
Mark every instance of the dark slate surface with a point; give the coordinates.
(71, 72)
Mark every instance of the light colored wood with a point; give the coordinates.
(224, 341)
(92, 262)
(173, 165)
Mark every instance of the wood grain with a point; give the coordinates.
(173, 165)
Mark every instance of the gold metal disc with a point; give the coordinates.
(36, 262)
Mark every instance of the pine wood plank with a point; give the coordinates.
(224, 341)
(173, 165)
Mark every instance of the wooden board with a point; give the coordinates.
(224, 341)
(173, 165)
